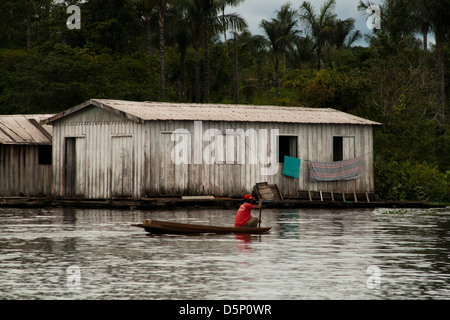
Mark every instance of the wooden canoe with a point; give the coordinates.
(161, 227)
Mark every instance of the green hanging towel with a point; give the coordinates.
(291, 167)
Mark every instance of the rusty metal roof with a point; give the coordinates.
(146, 111)
(25, 129)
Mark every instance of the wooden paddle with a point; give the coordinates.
(260, 209)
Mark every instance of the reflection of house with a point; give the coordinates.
(25, 155)
(111, 148)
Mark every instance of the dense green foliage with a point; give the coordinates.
(191, 51)
(408, 180)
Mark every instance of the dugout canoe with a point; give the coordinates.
(161, 227)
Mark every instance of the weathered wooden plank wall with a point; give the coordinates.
(112, 143)
(21, 173)
(108, 158)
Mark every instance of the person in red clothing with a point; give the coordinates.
(243, 216)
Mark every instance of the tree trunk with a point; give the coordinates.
(440, 79)
(182, 75)
(28, 24)
(277, 82)
(148, 32)
(206, 84)
(161, 12)
(425, 29)
(440, 95)
(197, 71)
(224, 25)
(319, 54)
(425, 41)
(236, 71)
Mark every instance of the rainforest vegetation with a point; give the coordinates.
(196, 51)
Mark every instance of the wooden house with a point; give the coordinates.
(110, 148)
(25, 156)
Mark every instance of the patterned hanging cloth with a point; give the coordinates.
(335, 171)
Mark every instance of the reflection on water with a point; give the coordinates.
(309, 254)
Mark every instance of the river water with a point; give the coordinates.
(62, 253)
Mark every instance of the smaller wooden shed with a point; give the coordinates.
(25, 155)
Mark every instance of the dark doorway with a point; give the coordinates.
(70, 166)
(287, 146)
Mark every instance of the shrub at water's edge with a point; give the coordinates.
(409, 181)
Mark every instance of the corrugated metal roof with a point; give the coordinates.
(25, 129)
(146, 111)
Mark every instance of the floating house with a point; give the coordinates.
(25, 156)
(112, 149)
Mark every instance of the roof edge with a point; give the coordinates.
(106, 105)
(87, 103)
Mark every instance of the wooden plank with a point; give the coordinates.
(122, 162)
(278, 191)
(153, 162)
(198, 197)
(80, 158)
(181, 148)
(41, 129)
(269, 192)
(327, 196)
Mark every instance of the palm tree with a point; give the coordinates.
(423, 16)
(204, 22)
(280, 32)
(421, 19)
(195, 20)
(161, 15)
(222, 4)
(253, 45)
(28, 2)
(146, 9)
(343, 33)
(400, 18)
(301, 51)
(319, 24)
(179, 33)
(213, 23)
(206, 6)
(439, 19)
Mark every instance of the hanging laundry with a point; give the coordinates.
(335, 171)
(291, 167)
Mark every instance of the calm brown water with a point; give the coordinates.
(58, 253)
